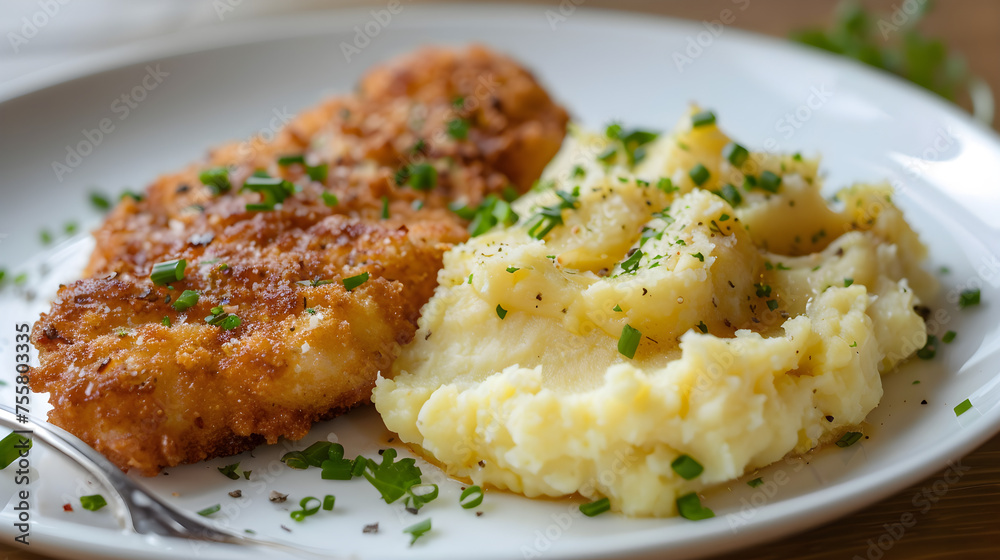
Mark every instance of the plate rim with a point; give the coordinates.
(771, 521)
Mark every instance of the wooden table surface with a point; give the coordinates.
(965, 523)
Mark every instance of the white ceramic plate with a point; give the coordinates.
(238, 79)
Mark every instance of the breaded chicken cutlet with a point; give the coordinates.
(306, 261)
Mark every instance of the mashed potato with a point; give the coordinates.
(659, 299)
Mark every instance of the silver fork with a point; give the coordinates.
(138, 510)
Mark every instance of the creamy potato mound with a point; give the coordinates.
(764, 321)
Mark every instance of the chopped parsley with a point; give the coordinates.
(772, 304)
(702, 327)
(848, 282)
(698, 256)
(948, 337)
(501, 312)
(763, 290)
(631, 264)
(10, 447)
(490, 212)
(617, 309)
(512, 269)
(755, 482)
(329, 198)
(229, 471)
(549, 217)
(318, 173)
(392, 478)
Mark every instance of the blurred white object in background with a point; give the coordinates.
(43, 33)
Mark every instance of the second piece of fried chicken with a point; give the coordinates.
(308, 279)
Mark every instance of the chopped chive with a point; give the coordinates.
(93, 502)
(417, 204)
(210, 510)
(729, 193)
(285, 161)
(763, 290)
(689, 507)
(686, 467)
(329, 198)
(628, 342)
(772, 304)
(699, 174)
(70, 228)
(318, 173)
(355, 281)
(458, 129)
(385, 207)
(698, 256)
(617, 308)
(21, 279)
(578, 172)
(596, 507)
(735, 153)
(328, 502)
(167, 272)
(421, 176)
(948, 337)
(963, 407)
(703, 118)
(471, 497)
(848, 282)
(45, 236)
(968, 298)
(165, 321)
(666, 185)
(854, 344)
(929, 350)
(307, 508)
(849, 439)
(10, 448)
(770, 182)
(100, 201)
(216, 179)
(512, 269)
(501, 312)
(755, 482)
(186, 300)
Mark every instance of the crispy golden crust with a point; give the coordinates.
(148, 395)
